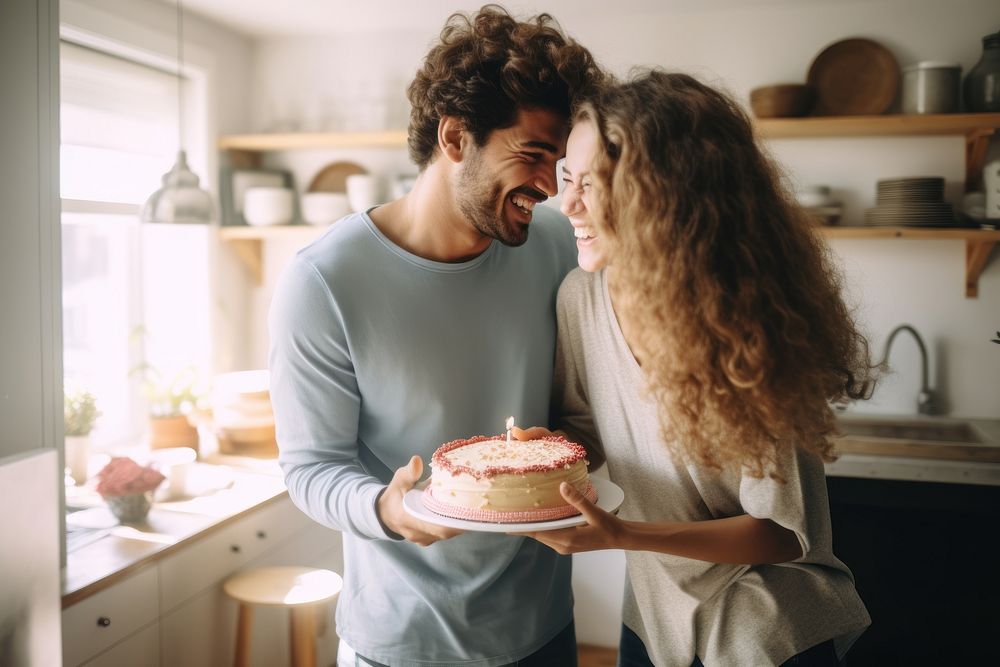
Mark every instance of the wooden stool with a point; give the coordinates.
(301, 589)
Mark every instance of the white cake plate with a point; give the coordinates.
(609, 498)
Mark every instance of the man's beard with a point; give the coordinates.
(481, 201)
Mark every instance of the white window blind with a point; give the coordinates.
(119, 126)
(133, 294)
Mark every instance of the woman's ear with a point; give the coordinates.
(451, 134)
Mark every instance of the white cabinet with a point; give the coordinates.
(100, 621)
(141, 649)
(201, 631)
(211, 559)
(174, 612)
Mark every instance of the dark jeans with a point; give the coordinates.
(632, 653)
(561, 651)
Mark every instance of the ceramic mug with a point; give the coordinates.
(362, 191)
(174, 464)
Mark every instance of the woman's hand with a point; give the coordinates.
(602, 531)
(533, 433)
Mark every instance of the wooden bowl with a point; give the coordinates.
(784, 100)
(853, 77)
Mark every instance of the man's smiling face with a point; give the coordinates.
(501, 182)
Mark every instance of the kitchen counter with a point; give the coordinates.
(171, 525)
(918, 448)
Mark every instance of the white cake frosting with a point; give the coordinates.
(488, 475)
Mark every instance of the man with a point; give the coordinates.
(422, 321)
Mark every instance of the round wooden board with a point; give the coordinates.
(854, 77)
(333, 177)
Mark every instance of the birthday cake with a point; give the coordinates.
(485, 478)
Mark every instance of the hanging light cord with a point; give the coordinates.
(180, 84)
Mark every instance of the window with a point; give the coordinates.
(127, 288)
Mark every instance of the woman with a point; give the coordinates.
(700, 347)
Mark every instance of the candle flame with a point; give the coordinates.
(510, 423)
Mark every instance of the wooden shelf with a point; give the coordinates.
(979, 243)
(247, 243)
(846, 232)
(977, 128)
(250, 233)
(867, 126)
(307, 140)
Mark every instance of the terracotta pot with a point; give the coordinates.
(172, 432)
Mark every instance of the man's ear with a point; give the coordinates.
(451, 137)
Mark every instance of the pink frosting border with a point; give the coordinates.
(499, 516)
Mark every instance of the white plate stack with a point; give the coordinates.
(911, 202)
(241, 414)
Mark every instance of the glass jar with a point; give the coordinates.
(981, 90)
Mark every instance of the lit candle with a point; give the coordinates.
(510, 425)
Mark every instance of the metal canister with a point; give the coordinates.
(931, 87)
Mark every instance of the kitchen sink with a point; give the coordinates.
(929, 431)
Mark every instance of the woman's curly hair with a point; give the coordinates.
(487, 66)
(742, 332)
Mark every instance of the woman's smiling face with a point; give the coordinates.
(581, 149)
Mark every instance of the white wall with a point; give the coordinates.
(738, 46)
(30, 345)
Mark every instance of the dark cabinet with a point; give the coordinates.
(926, 561)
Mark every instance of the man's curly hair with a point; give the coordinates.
(486, 67)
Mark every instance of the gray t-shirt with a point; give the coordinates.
(376, 355)
(725, 614)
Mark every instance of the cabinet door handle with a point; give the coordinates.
(104, 621)
(261, 534)
(235, 548)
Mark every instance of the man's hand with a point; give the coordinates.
(602, 531)
(391, 512)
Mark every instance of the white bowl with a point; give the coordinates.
(169, 456)
(812, 196)
(253, 384)
(268, 206)
(324, 208)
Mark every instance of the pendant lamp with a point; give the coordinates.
(180, 200)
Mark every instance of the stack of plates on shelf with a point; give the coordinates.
(242, 418)
(911, 202)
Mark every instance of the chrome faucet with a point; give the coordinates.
(926, 399)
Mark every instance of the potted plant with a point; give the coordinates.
(172, 400)
(127, 488)
(80, 413)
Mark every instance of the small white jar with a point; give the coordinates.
(991, 183)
